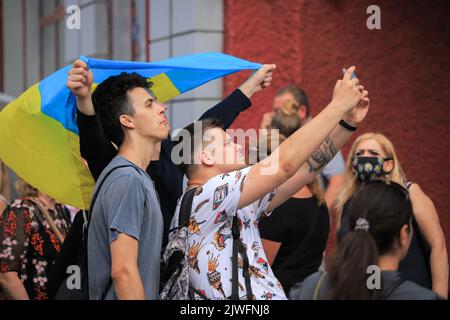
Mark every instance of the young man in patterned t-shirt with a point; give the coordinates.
(227, 188)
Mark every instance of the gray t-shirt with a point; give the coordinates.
(407, 290)
(127, 203)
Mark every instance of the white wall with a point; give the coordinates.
(181, 27)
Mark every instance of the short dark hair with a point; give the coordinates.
(110, 101)
(207, 124)
(298, 93)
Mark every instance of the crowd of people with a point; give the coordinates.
(249, 234)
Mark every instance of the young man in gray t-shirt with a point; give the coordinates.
(125, 231)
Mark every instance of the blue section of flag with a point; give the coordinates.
(57, 101)
(185, 72)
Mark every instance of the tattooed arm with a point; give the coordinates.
(286, 160)
(319, 158)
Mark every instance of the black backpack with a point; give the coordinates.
(76, 243)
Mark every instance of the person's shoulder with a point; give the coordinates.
(405, 290)
(409, 290)
(123, 176)
(305, 290)
(22, 207)
(121, 168)
(415, 190)
(227, 178)
(21, 203)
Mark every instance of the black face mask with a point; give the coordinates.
(366, 168)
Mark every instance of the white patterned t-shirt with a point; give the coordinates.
(211, 242)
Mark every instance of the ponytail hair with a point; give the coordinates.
(386, 208)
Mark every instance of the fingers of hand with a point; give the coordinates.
(267, 69)
(364, 94)
(354, 82)
(270, 67)
(74, 85)
(77, 78)
(78, 71)
(348, 73)
(79, 64)
(366, 102)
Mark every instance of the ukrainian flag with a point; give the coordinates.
(39, 134)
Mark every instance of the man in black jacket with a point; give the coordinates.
(168, 178)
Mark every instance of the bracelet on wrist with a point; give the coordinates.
(347, 126)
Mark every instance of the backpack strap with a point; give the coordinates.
(186, 208)
(87, 223)
(238, 248)
(183, 221)
(97, 191)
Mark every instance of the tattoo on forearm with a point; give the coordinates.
(322, 156)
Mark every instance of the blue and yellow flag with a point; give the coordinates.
(39, 133)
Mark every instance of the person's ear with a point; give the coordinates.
(127, 121)
(388, 166)
(303, 112)
(207, 159)
(405, 236)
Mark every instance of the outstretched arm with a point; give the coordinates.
(323, 155)
(94, 145)
(228, 109)
(287, 159)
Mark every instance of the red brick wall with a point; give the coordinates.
(405, 66)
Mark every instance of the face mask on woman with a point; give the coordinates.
(366, 168)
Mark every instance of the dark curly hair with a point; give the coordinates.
(110, 101)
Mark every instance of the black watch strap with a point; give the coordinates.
(347, 126)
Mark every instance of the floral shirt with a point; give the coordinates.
(28, 244)
(210, 240)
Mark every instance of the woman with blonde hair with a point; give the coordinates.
(3, 187)
(372, 155)
(32, 230)
(295, 235)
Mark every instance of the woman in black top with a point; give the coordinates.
(294, 236)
